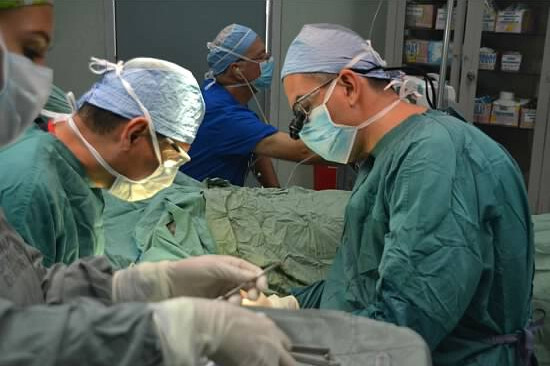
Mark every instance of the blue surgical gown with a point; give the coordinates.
(226, 138)
(438, 238)
(47, 198)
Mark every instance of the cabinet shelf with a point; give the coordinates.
(506, 73)
(527, 34)
(497, 126)
(431, 66)
(425, 29)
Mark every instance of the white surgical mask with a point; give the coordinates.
(123, 187)
(24, 91)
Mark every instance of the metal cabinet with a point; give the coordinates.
(478, 83)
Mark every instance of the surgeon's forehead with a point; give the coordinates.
(256, 49)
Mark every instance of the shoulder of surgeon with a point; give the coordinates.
(437, 135)
(217, 99)
(36, 158)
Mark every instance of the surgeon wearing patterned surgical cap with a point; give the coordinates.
(438, 233)
(85, 312)
(232, 138)
(129, 136)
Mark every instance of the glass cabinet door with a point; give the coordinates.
(423, 37)
(509, 72)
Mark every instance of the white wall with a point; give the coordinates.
(82, 30)
(293, 14)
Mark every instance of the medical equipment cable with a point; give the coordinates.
(296, 166)
(374, 19)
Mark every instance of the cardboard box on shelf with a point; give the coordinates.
(511, 61)
(423, 52)
(435, 49)
(487, 58)
(505, 110)
(419, 15)
(482, 110)
(435, 52)
(515, 21)
(527, 118)
(441, 18)
(411, 49)
(528, 114)
(416, 51)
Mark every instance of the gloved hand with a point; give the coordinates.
(206, 276)
(191, 329)
(273, 301)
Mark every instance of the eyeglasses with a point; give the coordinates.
(266, 56)
(172, 154)
(301, 114)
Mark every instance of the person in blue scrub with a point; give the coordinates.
(437, 232)
(232, 137)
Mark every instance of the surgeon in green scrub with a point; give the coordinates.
(86, 313)
(437, 234)
(129, 136)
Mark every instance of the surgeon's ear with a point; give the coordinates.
(237, 71)
(349, 80)
(133, 131)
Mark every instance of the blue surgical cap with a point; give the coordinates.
(236, 38)
(328, 48)
(169, 92)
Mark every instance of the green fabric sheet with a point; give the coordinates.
(300, 227)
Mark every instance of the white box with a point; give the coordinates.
(487, 59)
(505, 115)
(527, 118)
(482, 111)
(514, 21)
(511, 61)
(441, 18)
(420, 15)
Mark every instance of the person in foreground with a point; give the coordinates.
(86, 314)
(437, 234)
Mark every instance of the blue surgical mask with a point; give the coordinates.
(330, 140)
(266, 74)
(24, 90)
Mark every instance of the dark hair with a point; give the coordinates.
(378, 84)
(99, 120)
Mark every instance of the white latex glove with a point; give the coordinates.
(192, 329)
(207, 276)
(273, 301)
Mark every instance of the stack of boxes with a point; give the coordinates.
(423, 52)
(505, 111)
(515, 19)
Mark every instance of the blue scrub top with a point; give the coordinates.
(226, 138)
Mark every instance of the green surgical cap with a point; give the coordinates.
(10, 4)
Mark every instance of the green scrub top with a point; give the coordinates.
(46, 196)
(438, 238)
